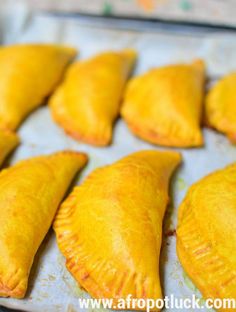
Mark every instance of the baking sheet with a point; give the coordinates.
(51, 288)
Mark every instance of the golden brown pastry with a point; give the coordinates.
(8, 141)
(110, 228)
(28, 74)
(164, 105)
(87, 102)
(30, 193)
(206, 239)
(220, 108)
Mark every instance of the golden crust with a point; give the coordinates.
(100, 227)
(29, 73)
(164, 105)
(87, 103)
(206, 234)
(30, 193)
(220, 108)
(8, 141)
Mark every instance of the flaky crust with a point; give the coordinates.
(87, 103)
(29, 73)
(220, 108)
(30, 193)
(110, 228)
(206, 237)
(164, 106)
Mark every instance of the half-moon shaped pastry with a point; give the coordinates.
(30, 193)
(206, 239)
(220, 108)
(110, 228)
(8, 141)
(28, 74)
(87, 102)
(164, 105)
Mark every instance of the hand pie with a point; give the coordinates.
(30, 193)
(206, 239)
(87, 102)
(28, 74)
(164, 105)
(220, 108)
(110, 228)
(8, 141)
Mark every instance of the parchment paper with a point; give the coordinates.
(51, 288)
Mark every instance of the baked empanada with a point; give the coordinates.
(28, 74)
(87, 102)
(220, 107)
(30, 193)
(206, 239)
(8, 141)
(164, 105)
(110, 228)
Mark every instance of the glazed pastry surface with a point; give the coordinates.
(29, 73)
(87, 103)
(30, 193)
(8, 141)
(164, 105)
(220, 107)
(206, 239)
(110, 228)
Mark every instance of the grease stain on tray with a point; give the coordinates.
(71, 308)
(175, 271)
(181, 184)
(168, 224)
(189, 283)
(50, 278)
(72, 286)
